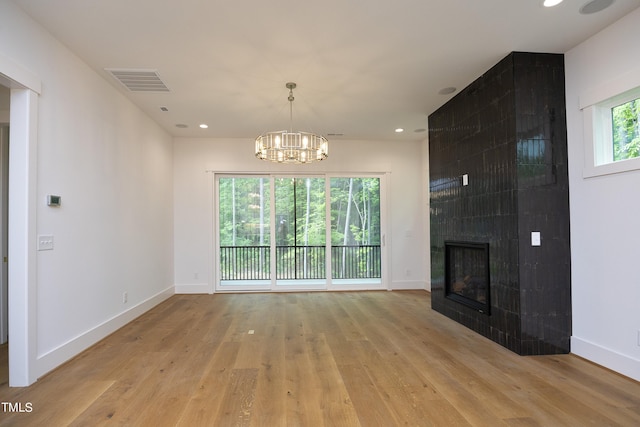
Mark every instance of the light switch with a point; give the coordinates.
(535, 238)
(45, 242)
(465, 179)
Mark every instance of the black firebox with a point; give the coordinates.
(467, 274)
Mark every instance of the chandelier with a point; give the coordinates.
(289, 146)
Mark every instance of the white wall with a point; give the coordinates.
(112, 166)
(193, 189)
(605, 231)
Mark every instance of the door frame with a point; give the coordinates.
(328, 285)
(4, 231)
(23, 152)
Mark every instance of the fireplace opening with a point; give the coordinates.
(467, 274)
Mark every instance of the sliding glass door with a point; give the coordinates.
(298, 232)
(355, 230)
(244, 238)
(301, 231)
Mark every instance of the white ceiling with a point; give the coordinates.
(363, 68)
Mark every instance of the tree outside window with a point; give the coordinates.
(626, 130)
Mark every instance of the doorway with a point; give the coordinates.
(4, 230)
(5, 97)
(24, 88)
(302, 232)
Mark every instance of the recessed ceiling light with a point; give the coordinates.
(595, 6)
(165, 109)
(204, 126)
(551, 3)
(447, 90)
(420, 130)
(399, 130)
(181, 126)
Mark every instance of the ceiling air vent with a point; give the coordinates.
(137, 80)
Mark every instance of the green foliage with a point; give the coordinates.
(244, 208)
(355, 211)
(626, 130)
(300, 208)
(299, 211)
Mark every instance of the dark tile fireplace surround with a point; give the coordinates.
(498, 172)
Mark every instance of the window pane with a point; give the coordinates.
(300, 228)
(626, 130)
(244, 228)
(355, 211)
(355, 228)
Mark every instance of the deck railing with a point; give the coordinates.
(299, 262)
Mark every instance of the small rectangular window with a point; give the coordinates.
(625, 120)
(612, 134)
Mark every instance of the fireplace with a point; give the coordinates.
(467, 274)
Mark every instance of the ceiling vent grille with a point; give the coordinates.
(136, 80)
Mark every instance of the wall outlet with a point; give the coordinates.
(125, 297)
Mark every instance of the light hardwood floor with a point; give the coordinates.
(314, 359)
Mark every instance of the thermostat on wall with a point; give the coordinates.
(53, 200)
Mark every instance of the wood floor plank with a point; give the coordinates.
(237, 403)
(205, 402)
(316, 359)
(334, 400)
(48, 402)
(587, 377)
(408, 397)
(4, 365)
(271, 392)
(366, 398)
(302, 384)
(101, 411)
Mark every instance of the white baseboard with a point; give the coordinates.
(193, 288)
(56, 357)
(608, 358)
(408, 285)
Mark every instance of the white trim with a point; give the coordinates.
(620, 166)
(609, 89)
(385, 235)
(193, 288)
(73, 347)
(328, 268)
(608, 358)
(22, 237)
(15, 76)
(595, 145)
(25, 87)
(267, 173)
(596, 107)
(282, 286)
(406, 285)
(4, 221)
(212, 275)
(272, 226)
